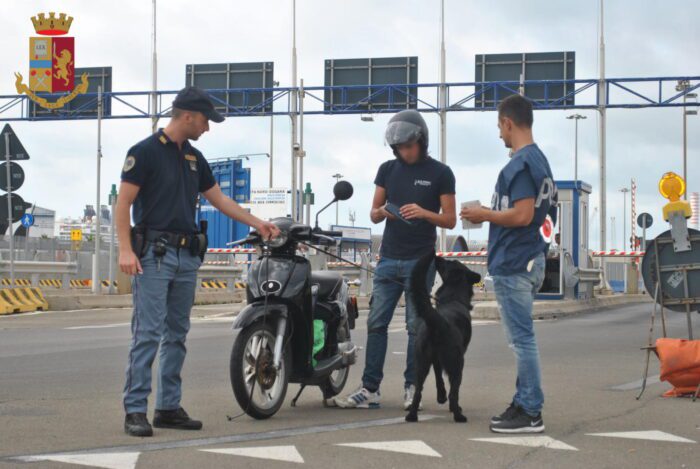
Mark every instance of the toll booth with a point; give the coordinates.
(568, 264)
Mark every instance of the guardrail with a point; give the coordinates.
(35, 269)
(219, 272)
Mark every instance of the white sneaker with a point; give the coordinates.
(408, 395)
(359, 399)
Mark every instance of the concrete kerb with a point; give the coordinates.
(89, 301)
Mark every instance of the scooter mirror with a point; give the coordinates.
(342, 190)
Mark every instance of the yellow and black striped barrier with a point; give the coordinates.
(22, 300)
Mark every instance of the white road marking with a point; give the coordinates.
(654, 435)
(106, 460)
(530, 441)
(636, 384)
(101, 326)
(399, 353)
(416, 447)
(276, 453)
(397, 329)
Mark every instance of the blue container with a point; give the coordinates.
(234, 180)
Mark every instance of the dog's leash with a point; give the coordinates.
(359, 266)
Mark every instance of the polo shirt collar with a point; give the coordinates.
(164, 139)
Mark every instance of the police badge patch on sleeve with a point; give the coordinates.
(129, 163)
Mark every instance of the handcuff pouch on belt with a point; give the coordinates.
(138, 240)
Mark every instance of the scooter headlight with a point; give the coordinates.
(278, 241)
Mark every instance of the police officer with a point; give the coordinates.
(162, 177)
(524, 195)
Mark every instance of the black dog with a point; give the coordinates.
(443, 336)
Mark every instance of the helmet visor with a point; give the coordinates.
(402, 132)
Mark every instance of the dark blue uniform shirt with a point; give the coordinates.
(527, 175)
(170, 179)
(421, 183)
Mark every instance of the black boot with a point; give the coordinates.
(136, 424)
(177, 419)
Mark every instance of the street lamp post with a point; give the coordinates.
(682, 86)
(337, 177)
(272, 133)
(624, 191)
(576, 118)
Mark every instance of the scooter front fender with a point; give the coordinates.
(258, 310)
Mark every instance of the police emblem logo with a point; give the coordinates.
(129, 163)
(193, 165)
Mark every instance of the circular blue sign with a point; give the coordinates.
(27, 220)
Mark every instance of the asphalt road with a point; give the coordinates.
(61, 375)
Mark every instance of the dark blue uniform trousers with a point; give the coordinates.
(163, 296)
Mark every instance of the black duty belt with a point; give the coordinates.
(177, 240)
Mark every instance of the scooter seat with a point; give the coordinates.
(328, 283)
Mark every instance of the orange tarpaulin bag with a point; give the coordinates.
(680, 365)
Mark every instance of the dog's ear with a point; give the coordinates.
(472, 277)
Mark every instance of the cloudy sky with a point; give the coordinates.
(644, 38)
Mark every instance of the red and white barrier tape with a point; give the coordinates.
(231, 251)
(617, 253)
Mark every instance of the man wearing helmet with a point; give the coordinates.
(423, 190)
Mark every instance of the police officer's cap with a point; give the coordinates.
(192, 98)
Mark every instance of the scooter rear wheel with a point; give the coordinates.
(259, 388)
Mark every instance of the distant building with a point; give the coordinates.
(44, 221)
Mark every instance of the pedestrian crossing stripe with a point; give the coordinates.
(275, 453)
(653, 435)
(416, 447)
(104, 460)
(530, 441)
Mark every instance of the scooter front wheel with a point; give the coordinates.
(258, 386)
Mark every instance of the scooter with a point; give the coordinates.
(296, 325)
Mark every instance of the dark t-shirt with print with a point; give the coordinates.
(421, 183)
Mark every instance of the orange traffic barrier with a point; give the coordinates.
(680, 365)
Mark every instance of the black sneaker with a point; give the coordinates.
(177, 419)
(507, 415)
(519, 422)
(136, 424)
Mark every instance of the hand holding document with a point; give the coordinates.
(466, 224)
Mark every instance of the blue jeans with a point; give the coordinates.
(391, 279)
(163, 297)
(515, 294)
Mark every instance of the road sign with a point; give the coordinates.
(557, 66)
(16, 176)
(17, 151)
(645, 220)
(18, 207)
(27, 220)
(253, 75)
(358, 73)
(76, 235)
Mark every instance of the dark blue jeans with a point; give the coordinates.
(515, 294)
(163, 297)
(391, 279)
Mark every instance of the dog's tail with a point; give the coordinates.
(419, 290)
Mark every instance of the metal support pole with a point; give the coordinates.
(112, 239)
(685, 145)
(272, 135)
(301, 154)
(575, 149)
(443, 106)
(602, 99)
(154, 76)
(293, 111)
(10, 234)
(96, 286)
